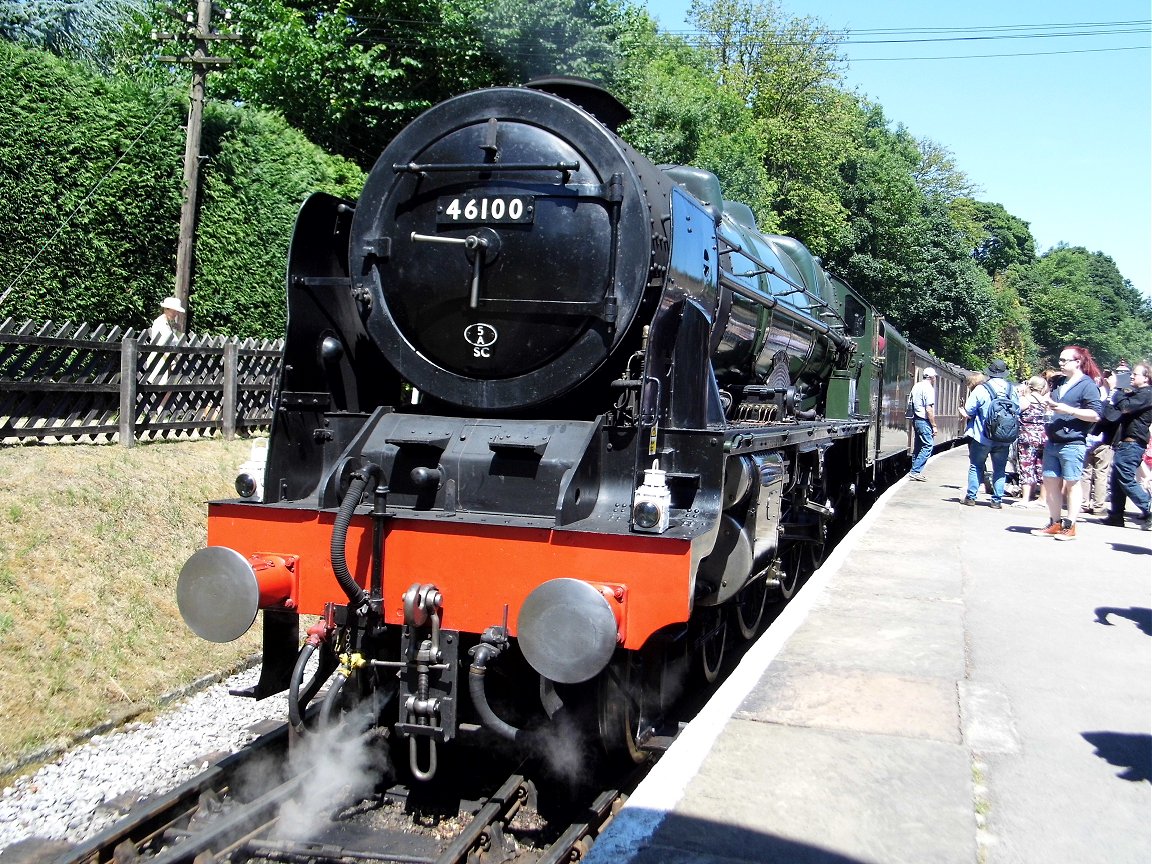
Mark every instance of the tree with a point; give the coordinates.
(90, 197)
(350, 73)
(904, 251)
(937, 174)
(786, 71)
(1079, 297)
(77, 29)
(553, 37)
(679, 116)
(1007, 330)
(998, 238)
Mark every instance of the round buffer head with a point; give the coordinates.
(566, 630)
(218, 594)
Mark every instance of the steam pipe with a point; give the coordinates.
(481, 654)
(357, 596)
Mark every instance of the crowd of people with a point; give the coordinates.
(1075, 440)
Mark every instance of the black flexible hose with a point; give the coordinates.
(480, 657)
(296, 705)
(328, 709)
(357, 596)
(298, 701)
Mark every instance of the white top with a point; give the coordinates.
(162, 331)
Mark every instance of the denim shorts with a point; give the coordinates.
(1064, 460)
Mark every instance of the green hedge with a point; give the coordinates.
(90, 192)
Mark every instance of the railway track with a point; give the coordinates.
(223, 815)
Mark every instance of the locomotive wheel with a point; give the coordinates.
(618, 713)
(711, 640)
(796, 565)
(790, 572)
(749, 607)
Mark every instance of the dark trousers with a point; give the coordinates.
(1126, 456)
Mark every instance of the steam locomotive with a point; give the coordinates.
(555, 424)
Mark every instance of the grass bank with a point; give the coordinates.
(92, 539)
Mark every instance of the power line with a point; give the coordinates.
(995, 27)
(376, 33)
(1016, 31)
(1008, 54)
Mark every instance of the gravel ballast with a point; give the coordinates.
(91, 786)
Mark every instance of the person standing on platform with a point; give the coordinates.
(977, 410)
(1030, 444)
(1075, 406)
(1097, 464)
(1133, 408)
(923, 400)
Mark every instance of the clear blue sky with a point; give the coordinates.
(1061, 140)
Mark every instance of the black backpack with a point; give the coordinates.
(1002, 424)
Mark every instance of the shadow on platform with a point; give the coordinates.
(1132, 752)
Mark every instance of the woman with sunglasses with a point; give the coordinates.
(1075, 406)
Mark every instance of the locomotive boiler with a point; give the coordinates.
(552, 422)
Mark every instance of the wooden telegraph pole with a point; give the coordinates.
(199, 28)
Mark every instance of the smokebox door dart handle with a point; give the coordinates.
(471, 242)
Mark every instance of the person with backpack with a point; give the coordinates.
(922, 408)
(993, 414)
(1075, 404)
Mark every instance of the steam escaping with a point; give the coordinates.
(562, 746)
(340, 765)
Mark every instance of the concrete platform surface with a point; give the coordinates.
(948, 687)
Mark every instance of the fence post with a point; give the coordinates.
(129, 355)
(229, 400)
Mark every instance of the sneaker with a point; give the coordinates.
(919, 477)
(1052, 530)
(968, 502)
(1146, 521)
(1067, 533)
(1114, 520)
(996, 505)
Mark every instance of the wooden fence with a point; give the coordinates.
(75, 382)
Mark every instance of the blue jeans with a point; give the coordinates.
(922, 446)
(977, 458)
(1126, 456)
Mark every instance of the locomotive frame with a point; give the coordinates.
(552, 423)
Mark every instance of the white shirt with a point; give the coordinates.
(162, 331)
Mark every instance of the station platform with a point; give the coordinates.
(946, 688)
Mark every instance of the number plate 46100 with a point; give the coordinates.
(469, 209)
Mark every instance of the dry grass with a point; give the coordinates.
(92, 539)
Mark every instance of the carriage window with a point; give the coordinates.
(854, 316)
